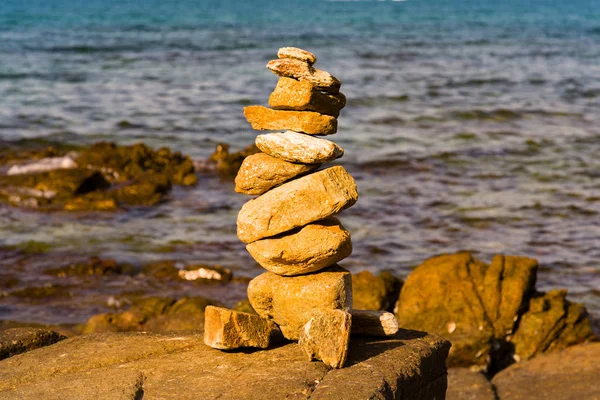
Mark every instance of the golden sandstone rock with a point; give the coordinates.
(291, 301)
(308, 249)
(297, 203)
(312, 123)
(302, 71)
(261, 172)
(291, 94)
(298, 148)
(326, 337)
(374, 323)
(298, 54)
(226, 329)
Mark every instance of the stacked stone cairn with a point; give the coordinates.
(290, 228)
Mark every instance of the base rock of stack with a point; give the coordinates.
(326, 337)
(309, 122)
(291, 302)
(298, 148)
(308, 249)
(297, 203)
(302, 71)
(261, 172)
(290, 94)
(226, 329)
(374, 323)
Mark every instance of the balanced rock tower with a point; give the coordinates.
(290, 228)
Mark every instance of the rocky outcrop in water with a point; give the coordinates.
(492, 314)
(102, 177)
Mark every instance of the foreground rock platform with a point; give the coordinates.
(133, 366)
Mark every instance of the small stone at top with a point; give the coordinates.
(298, 54)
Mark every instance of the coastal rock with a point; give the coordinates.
(441, 296)
(226, 329)
(298, 148)
(375, 292)
(303, 71)
(261, 172)
(157, 314)
(477, 306)
(179, 366)
(308, 249)
(464, 384)
(550, 323)
(507, 283)
(309, 122)
(569, 374)
(15, 341)
(297, 54)
(296, 203)
(374, 323)
(326, 337)
(291, 301)
(291, 94)
(225, 162)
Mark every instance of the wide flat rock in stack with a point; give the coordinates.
(304, 250)
(261, 172)
(296, 203)
(298, 148)
(309, 122)
(291, 301)
(179, 366)
(291, 94)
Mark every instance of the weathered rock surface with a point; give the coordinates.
(307, 249)
(261, 172)
(297, 203)
(19, 340)
(375, 292)
(298, 54)
(551, 323)
(291, 301)
(226, 329)
(309, 122)
(291, 94)
(464, 384)
(326, 337)
(476, 306)
(569, 374)
(113, 366)
(298, 148)
(302, 71)
(373, 323)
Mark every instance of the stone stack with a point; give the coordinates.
(290, 228)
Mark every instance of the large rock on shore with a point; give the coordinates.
(312, 123)
(298, 148)
(291, 94)
(179, 366)
(14, 341)
(489, 312)
(297, 203)
(573, 373)
(303, 71)
(375, 292)
(261, 172)
(291, 301)
(308, 249)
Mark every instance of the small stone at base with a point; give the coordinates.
(226, 329)
(326, 337)
(374, 323)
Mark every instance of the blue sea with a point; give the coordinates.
(469, 125)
